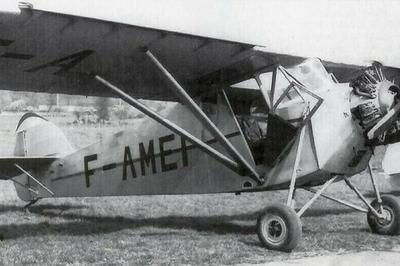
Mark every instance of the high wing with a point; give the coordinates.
(50, 52)
(8, 168)
(57, 53)
(346, 72)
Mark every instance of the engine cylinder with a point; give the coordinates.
(373, 97)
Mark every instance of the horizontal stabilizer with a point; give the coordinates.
(9, 170)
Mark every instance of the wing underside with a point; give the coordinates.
(42, 51)
(57, 53)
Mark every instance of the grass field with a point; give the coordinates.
(196, 229)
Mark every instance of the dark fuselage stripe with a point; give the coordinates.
(177, 150)
(109, 166)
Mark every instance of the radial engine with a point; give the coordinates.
(373, 97)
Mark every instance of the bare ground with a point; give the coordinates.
(195, 229)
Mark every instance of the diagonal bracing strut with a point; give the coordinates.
(173, 127)
(203, 118)
(34, 179)
(343, 202)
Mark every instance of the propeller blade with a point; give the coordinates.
(384, 123)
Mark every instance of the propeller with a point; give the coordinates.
(381, 106)
(387, 128)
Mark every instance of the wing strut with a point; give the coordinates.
(203, 118)
(34, 179)
(174, 128)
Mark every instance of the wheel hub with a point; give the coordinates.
(275, 229)
(387, 216)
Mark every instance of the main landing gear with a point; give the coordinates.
(389, 224)
(279, 226)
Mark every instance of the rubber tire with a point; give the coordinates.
(393, 205)
(291, 221)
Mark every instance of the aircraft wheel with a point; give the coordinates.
(279, 228)
(390, 225)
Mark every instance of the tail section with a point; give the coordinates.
(38, 142)
(35, 136)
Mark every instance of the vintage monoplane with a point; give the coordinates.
(246, 120)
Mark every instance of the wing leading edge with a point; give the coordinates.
(42, 51)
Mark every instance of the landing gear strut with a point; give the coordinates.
(26, 207)
(279, 226)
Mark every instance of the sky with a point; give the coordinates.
(348, 31)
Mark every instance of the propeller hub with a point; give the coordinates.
(387, 92)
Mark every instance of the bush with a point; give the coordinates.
(122, 112)
(17, 106)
